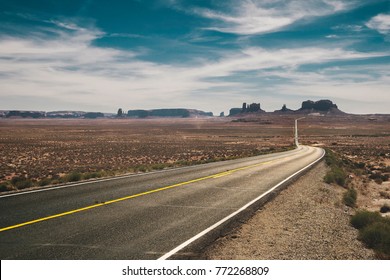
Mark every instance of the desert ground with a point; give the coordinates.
(363, 143)
(41, 149)
(46, 151)
(39, 152)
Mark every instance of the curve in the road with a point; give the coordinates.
(154, 215)
(204, 232)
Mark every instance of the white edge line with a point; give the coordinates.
(207, 230)
(91, 182)
(66, 186)
(113, 178)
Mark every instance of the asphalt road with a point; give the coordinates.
(142, 216)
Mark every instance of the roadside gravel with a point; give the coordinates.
(305, 221)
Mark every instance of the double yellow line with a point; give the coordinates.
(214, 176)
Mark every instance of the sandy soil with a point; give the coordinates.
(46, 148)
(305, 221)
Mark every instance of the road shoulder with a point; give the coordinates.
(305, 221)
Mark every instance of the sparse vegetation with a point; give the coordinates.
(349, 197)
(364, 218)
(385, 208)
(44, 182)
(73, 177)
(378, 177)
(377, 237)
(51, 152)
(3, 187)
(374, 231)
(141, 168)
(336, 174)
(384, 194)
(93, 175)
(21, 183)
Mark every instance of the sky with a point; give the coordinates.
(99, 55)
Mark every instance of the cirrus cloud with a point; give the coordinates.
(261, 16)
(381, 23)
(69, 66)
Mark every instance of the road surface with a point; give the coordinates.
(142, 216)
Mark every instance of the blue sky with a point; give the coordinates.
(99, 55)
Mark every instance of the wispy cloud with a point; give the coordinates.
(381, 23)
(356, 87)
(125, 35)
(262, 16)
(69, 66)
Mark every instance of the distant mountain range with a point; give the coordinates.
(163, 113)
(53, 115)
(321, 107)
(156, 113)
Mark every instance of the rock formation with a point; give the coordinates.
(181, 113)
(321, 106)
(234, 111)
(252, 108)
(308, 107)
(25, 114)
(284, 110)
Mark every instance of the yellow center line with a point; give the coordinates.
(222, 174)
(132, 196)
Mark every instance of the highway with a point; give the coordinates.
(155, 215)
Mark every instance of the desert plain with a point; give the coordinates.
(37, 153)
(48, 151)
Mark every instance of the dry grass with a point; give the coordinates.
(363, 143)
(40, 149)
